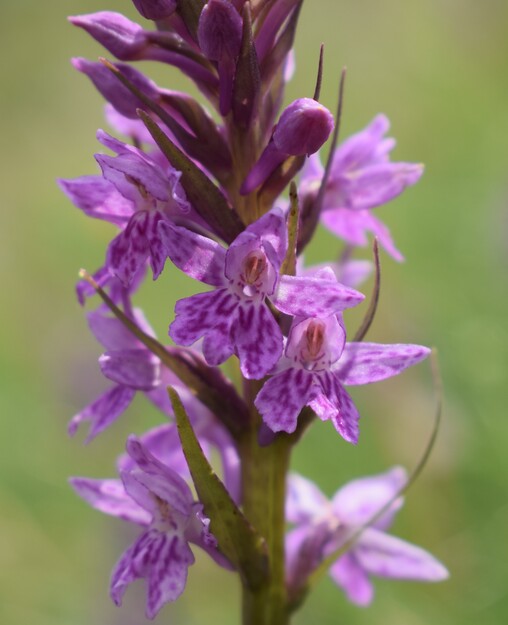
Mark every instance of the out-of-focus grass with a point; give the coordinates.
(438, 70)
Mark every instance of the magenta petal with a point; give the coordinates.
(155, 477)
(302, 296)
(352, 226)
(128, 251)
(98, 198)
(351, 577)
(197, 256)
(358, 501)
(136, 368)
(135, 177)
(202, 313)
(258, 340)
(346, 417)
(388, 556)
(109, 496)
(304, 500)
(103, 411)
(115, 32)
(161, 558)
(168, 573)
(218, 344)
(364, 363)
(282, 398)
(379, 183)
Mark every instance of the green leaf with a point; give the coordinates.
(289, 264)
(237, 539)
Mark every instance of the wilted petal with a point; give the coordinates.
(351, 577)
(136, 368)
(282, 398)
(363, 363)
(358, 501)
(304, 500)
(109, 496)
(103, 411)
(388, 556)
(201, 313)
(257, 339)
(302, 296)
(197, 256)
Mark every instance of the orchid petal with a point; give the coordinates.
(197, 256)
(109, 496)
(304, 500)
(258, 340)
(358, 501)
(136, 368)
(364, 363)
(282, 398)
(303, 296)
(103, 411)
(351, 577)
(389, 556)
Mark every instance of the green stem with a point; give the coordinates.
(264, 491)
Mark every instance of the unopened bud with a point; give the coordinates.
(220, 30)
(120, 36)
(155, 9)
(303, 127)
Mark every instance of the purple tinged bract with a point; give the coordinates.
(322, 526)
(234, 318)
(155, 9)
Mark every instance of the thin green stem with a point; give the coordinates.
(264, 490)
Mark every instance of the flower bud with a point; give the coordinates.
(155, 9)
(113, 90)
(120, 36)
(303, 127)
(220, 30)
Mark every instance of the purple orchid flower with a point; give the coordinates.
(234, 318)
(163, 442)
(362, 178)
(322, 526)
(135, 193)
(129, 365)
(152, 495)
(318, 362)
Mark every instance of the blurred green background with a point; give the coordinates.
(439, 70)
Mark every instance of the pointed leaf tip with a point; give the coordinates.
(237, 539)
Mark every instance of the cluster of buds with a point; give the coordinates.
(208, 196)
